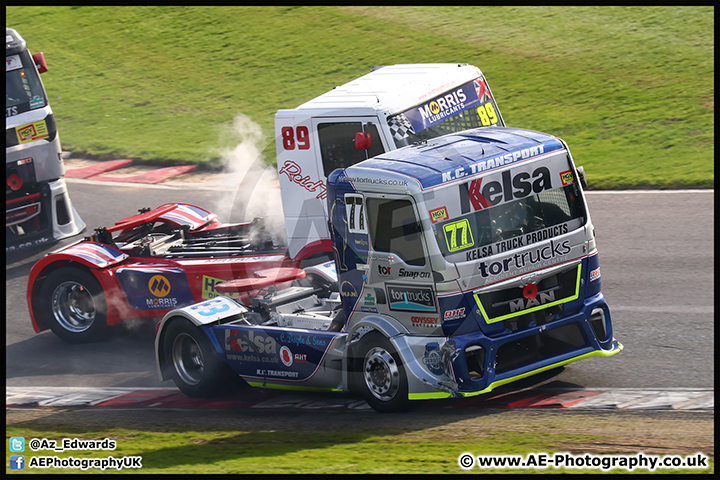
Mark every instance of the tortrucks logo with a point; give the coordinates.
(407, 298)
(521, 262)
(512, 187)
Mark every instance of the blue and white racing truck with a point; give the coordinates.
(461, 263)
(37, 205)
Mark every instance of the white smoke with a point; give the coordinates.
(254, 188)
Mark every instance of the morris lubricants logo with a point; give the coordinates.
(159, 286)
(449, 104)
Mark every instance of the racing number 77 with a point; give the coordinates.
(460, 229)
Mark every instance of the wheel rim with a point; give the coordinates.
(73, 306)
(187, 359)
(381, 373)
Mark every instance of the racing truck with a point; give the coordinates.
(460, 263)
(81, 289)
(38, 209)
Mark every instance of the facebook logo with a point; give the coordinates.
(17, 444)
(17, 462)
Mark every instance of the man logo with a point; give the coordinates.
(159, 286)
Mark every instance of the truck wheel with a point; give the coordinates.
(382, 376)
(192, 361)
(73, 304)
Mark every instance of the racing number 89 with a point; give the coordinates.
(458, 235)
(289, 137)
(487, 114)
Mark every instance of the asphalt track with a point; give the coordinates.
(656, 255)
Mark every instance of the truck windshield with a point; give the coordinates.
(514, 224)
(469, 106)
(23, 89)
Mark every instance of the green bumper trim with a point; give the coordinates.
(276, 386)
(533, 309)
(494, 385)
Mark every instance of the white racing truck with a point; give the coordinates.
(37, 205)
(391, 107)
(461, 263)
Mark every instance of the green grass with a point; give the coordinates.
(273, 452)
(631, 89)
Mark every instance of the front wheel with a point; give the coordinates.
(192, 361)
(73, 303)
(383, 380)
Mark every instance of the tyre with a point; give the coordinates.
(192, 360)
(72, 303)
(380, 374)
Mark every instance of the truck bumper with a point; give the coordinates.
(40, 218)
(475, 364)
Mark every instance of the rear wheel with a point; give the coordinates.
(72, 302)
(382, 377)
(192, 360)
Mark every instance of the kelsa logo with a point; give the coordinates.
(159, 286)
(478, 196)
(438, 215)
(249, 341)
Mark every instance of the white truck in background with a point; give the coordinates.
(37, 205)
(390, 107)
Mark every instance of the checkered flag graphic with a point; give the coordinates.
(400, 127)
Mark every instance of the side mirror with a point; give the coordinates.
(581, 174)
(363, 141)
(40, 63)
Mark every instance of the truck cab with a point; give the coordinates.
(37, 205)
(391, 107)
(474, 254)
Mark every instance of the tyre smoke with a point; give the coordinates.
(254, 188)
